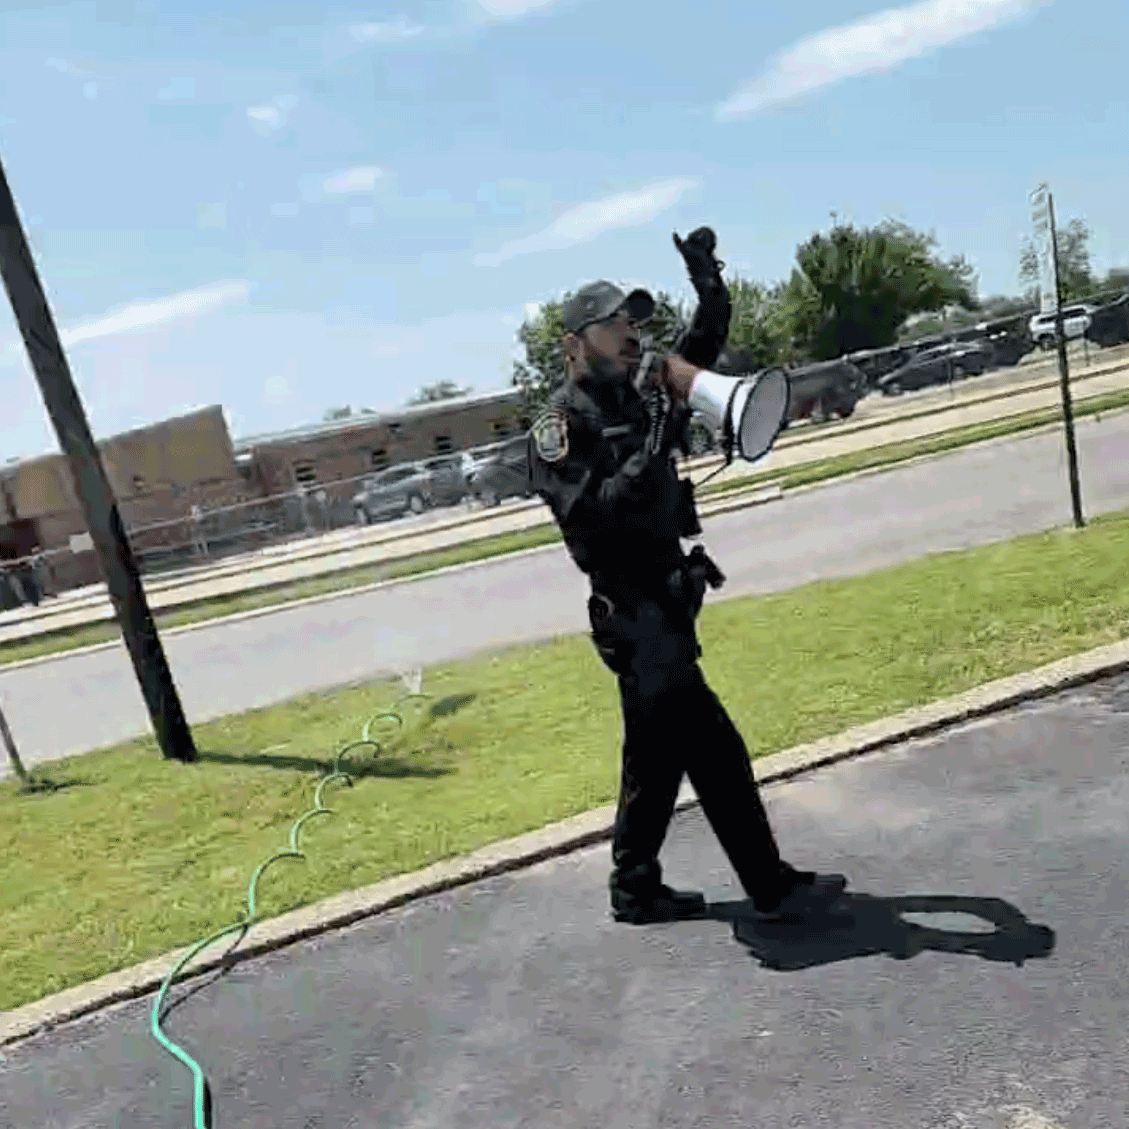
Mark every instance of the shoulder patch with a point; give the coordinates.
(550, 434)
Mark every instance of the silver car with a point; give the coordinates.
(1075, 321)
(393, 493)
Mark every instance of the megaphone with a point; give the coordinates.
(750, 411)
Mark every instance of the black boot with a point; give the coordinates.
(796, 892)
(656, 904)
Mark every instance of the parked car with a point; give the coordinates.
(825, 389)
(503, 472)
(1109, 324)
(1009, 346)
(393, 493)
(1075, 321)
(938, 365)
(449, 484)
(876, 363)
(703, 438)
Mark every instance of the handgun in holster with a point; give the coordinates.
(700, 561)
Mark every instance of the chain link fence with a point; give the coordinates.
(206, 536)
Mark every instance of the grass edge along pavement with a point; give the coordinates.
(515, 742)
(366, 577)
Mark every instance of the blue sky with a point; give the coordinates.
(289, 206)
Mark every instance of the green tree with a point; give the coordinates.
(442, 390)
(854, 288)
(540, 336)
(1075, 275)
(759, 329)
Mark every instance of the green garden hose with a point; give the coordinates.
(202, 1095)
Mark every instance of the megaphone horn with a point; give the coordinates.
(750, 411)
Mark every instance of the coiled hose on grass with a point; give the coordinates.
(202, 1095)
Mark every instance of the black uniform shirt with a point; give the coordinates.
(620, 509)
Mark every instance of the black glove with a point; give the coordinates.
(702, 342)
(697, 251)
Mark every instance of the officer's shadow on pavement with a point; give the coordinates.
(863, 925)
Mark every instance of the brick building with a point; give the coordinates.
(158, 473)
(332, 456)
(242, 493)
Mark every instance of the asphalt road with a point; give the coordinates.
(973, 977)
(970, 497)
(352, 546)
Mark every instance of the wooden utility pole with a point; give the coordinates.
(95, 495)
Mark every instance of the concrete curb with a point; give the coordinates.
(770, 492)
(557, 839)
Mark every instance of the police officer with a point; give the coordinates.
(602, 457)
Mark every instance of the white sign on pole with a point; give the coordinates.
(1044, 248)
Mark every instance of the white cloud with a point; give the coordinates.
(148, 315)
(586, 222)
(271, 116)
(876, 43)
(391, 31)
(360, 179)
(511, 9)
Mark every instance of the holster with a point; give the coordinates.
(700, 561)
(687, 584)
(688, 524)
(611, 641)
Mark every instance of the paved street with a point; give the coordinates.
(971, 497)
(517, 1002)
(902, 419)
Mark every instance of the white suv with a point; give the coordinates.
(1075, 322)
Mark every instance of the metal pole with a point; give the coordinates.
(13, 752)
(99, 507)
(1064, 380)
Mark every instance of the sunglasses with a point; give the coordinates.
(622, 314)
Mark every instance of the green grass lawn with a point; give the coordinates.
(808, 474)
(132, 856)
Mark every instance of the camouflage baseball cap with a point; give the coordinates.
(599, 300)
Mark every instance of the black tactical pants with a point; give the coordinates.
(674, 724)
